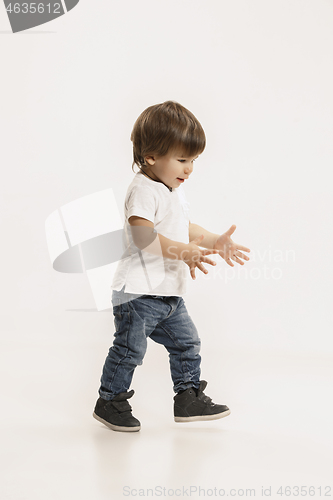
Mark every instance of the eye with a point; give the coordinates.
(183, 161)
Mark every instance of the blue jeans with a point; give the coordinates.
(165, 320)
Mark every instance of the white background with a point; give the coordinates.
(258, 76)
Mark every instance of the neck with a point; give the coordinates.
(146, 173)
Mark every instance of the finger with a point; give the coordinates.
(209, 251)
(192, 272)
(241, 255)
(236, 259)
(228, 261)
(202, 268)
(240, 247)
(231, 230)
(208, 261)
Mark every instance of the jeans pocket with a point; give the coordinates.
(118, 318)
(117, 310)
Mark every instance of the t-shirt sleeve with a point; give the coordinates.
(142, 203)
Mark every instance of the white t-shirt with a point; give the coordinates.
(142, 272)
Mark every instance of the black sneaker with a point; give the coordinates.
(193, 405)
(116, 414)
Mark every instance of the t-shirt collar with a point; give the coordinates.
(145, 173)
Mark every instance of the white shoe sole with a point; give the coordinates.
(116, 427)
(202, 418)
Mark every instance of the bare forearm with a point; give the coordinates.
(209, 238)
(152, 242)
(172, 249)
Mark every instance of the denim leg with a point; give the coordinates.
(167, 322)
(135, 317)
(179, 335)
(128, 349)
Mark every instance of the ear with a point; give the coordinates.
(150, 160)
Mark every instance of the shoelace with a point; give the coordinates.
(204, 398)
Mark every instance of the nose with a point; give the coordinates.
(188, 169)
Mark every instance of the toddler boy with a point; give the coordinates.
(151, 278)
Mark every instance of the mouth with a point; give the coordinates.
(180, 179)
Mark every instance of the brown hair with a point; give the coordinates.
(165, 128)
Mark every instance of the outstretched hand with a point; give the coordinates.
(193, 256)
(229, 249)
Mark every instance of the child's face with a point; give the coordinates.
(170, 169)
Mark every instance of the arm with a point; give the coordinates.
(145, 238)
(209, 238)
(227, 249)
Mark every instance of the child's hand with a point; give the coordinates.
(230, 250)
(193, 256)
